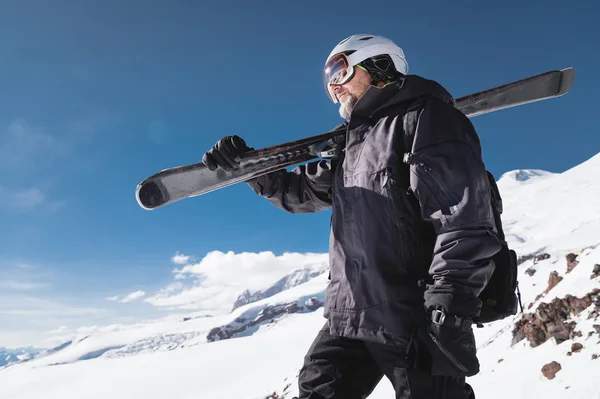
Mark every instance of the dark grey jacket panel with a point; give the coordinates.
(383, 241)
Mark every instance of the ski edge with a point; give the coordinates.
(566, 81)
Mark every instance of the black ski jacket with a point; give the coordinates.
(388, 238)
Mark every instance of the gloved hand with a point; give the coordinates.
(226, 153)
(451, 345)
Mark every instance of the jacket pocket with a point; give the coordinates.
(411, 248)
(401, 218)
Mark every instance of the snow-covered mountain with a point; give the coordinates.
(551, 350)
(297, 277)
(15, 355)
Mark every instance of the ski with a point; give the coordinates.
(177, 183)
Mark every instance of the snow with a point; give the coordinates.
(544, 213)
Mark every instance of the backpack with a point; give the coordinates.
(501, 295)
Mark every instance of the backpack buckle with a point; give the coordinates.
(438, 317)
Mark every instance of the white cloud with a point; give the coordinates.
(34, 306)
(24, 265)
(21, 199)
(58, 330)
(180, 259)
(20, 285)
(27, 319)
(133, 296)
(127, 298)
(23, 146)
(219, 278)
(27, 199)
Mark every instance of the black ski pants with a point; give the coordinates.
(342, 368)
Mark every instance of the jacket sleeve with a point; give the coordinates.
(450, 181)
(304, 189)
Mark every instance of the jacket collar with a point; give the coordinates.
(405, 89)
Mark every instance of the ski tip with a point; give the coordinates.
(149, 195)
(566, 80)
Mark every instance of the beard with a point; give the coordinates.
(347, 105)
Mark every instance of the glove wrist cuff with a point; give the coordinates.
(441, 318)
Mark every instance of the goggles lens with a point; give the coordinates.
(337, 71)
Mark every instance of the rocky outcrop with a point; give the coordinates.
(267, 314)
(575, 348)
(536, 258)
(571, 262)
(540, 257)
(291, 280)
(274, 395)
(549, 370)
(553, 281)
(596, 271)
(550, 320)
(530, 271)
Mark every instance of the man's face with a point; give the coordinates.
(349, 92)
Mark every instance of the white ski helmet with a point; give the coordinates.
(339, 67)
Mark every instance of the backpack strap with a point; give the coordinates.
(409, 127)
(410, 121)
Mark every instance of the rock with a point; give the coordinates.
(597, 328)
(550, 320)
(530, 272)
(313, 304)
(571, 262)
(518, 333)
(576, 347)
(524, 258)
(553, 281)
(535, 334)
(267, 315)
(549, 370)
(596, 271)
(540, 257)
(500, 360)
(594, 356)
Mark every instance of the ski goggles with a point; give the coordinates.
(338, 70)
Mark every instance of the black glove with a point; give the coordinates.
(451, 345)
(226, 153)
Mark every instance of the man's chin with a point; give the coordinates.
(346, 106)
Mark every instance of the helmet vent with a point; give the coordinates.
(366, 38)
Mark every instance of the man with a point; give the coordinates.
(410, 241)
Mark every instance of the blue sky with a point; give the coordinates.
(98, 95)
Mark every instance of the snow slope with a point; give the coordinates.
(553, 221)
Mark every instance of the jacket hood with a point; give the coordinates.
(405, 89)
